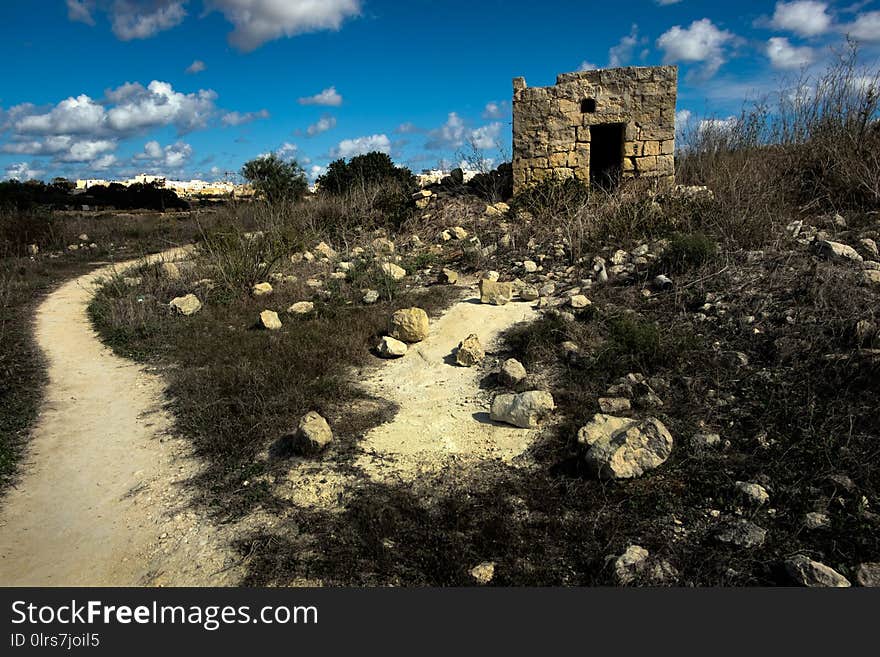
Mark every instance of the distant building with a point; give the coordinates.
(184, 188)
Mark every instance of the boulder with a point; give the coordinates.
(269, 320)
(624, 448)
(611, 405)
(754, 493)
(262, 289)
(579, 302)
(393, 271)
(312, 436)
(635, 565)
(512, 373)
(187, 306)
(448, 276)
(806, 572)
(470, 352)
(301, 308)
(868, 574)
(525, 410)
(742, 533)
(325, 250)
(409, 325)
(837, 251)
(529, 293)
(391, 348)
(495, 293)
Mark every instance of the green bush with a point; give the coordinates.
(363, 171)
(276, 180)
(687, 251)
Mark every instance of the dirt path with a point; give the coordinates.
(101, 499)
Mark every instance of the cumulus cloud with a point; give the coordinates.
(866, 27)
(196, 67)
(81, 11)
(328, 98)
(324, 124)
(588, 66)
(450, 135)
(142, 19)
(702, 41)
(408, 128)
(22, 171)
(239, 118)
(804, 17)
(496, 110)
(784, 56)
(621, 54)
(361, 145)
(259, 21)
(287, 150)
(104, 162)
(159, 104)
(171, 157)
(486, 137)
(682, 118)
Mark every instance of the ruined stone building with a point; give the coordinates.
(597, 126)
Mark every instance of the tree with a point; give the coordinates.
(362, 171)
(275, 179)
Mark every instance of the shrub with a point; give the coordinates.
(276, 180)
(363, 172)
(687, 251)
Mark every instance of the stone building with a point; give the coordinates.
(597, 126)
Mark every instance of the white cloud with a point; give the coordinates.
(159, 104)
(664, 3)
(804, 17)
(450, 135)
(287, 150)
(259, 21)
(486, 137)
(81, 11)
(104, 162)
(682, 118)
(496, 110)
(316, 171)
(361, 145)
(83, 151)
(783, 55)
(239, 118)
(621, 54)
(22, 171)
(324, 124)
(329, 98)
(72, 116)
(171, 157)
(702, 41)
(866, 27)
(142, 19)
(196, 67)
(408, 128)
(588, 66)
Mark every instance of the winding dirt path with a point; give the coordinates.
(101, 500)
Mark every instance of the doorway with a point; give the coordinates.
(606, 154)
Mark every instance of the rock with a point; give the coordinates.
(614, 404)
(814, 520)
(83, 237)
(755, 493)
(705, 440)
(495, 293)
(628, 566)
(619, 258)
(491, 276)
(383, 245)
(530, 266)
(33, 249)
(312, 436)
(512, 373)
(301, 308)
(483, 573)
(497, 210)
(525, 410)
(170, 271)
(393, 271)
(410, 325)
(459, 233)
(269, 320)
(872, 276)
(529, 293)
(391, 348)
(371, 297)
(262, 289)
(325, 250)
(571, 351)
(662, 282)
(624, 448)
(187, 306)
(579, 302)
(837, 251)
(806, 572)
(448, 276)
(547, 290)
(868, 574)
(742, 533)
(73, 247)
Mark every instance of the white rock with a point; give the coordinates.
(755, 493)
(512, 373)
(188, 305)
(483, 573)
(495, 293)
(410, 325)
(325, 250)
(530, 266)
(269, 320)
(301, 308)
(525, 410)
(624, 448)
(579, 302)
(371, 297)
(837, 251)
(391, 348)
(813, 574)
(393, 271)
(470, 352)
(313, 435)
(262, 289)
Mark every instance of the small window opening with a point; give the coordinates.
(588, 106)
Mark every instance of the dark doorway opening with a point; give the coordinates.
(606, 154)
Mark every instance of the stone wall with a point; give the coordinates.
(552, 125)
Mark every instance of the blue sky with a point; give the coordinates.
(109, 88)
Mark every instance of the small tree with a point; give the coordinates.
(363, 171)
(275, 179)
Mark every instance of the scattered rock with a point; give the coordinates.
(483, 573)
(806, 572)
(701, 441)
(755, 493)
(868, 574)
(325, 250)
(530, 266)
(410, 325)
(312, 436)
(612, 405)
(262, 289)
(662, 282)
(742, 533)
(383, 245)
(448, 276)
(470, 352)
(83, 237)
(624, 448)
(495, 293)
(512, 373)
(529, 293)
(497, 210)
(579, 302)
(392, 348)
(301, 308)
(524, 410)
(33, 249)
(836, 251)
(393, 271)
(869, 246)
(629, 565)
(371, 297)
(459, 233)
(170, 271)
(269, 320)
(187, 306)
(814, 520)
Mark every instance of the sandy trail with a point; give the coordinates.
(101, 500)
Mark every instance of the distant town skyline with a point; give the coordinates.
(191, 90)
